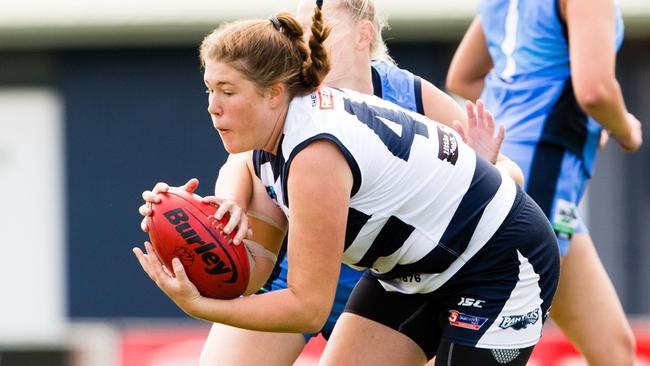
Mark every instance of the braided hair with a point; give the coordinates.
(272, 50)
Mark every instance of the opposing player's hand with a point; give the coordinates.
(176, 285)
(152, 196)
(480, 134)
(237, 219)
(633, 141)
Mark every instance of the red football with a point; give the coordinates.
(182, 226)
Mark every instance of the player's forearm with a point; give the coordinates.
(464, 81)
(470, 64)
(441, 107)
(260, 272)
(276, 311)
(467, 89)
(234, 181)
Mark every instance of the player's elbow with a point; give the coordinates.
(590, 99)
(594, 94)
(464, 86)
(314, 317)
(453, 83)
(316, 321)
(313, 326)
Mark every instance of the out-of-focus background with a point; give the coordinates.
(100, 100)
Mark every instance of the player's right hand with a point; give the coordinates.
(152, 196)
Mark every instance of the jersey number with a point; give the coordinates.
(377, 118)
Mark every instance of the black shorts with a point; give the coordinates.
(498, 300)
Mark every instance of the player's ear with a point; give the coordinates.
(366, 34)
(275, 94)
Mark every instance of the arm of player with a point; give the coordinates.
(470, 64)
(319, 210)
(440, 106)
(234, 181)
(242, 190)
(480, 136)
(593, 62)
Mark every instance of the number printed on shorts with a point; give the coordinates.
(412, 278)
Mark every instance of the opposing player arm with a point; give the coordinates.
(237, 182)
(593, 61)
(319, 205)
(470, 64)
(440, 106)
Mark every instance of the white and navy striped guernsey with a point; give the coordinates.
(422, 201)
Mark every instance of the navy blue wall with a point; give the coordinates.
(132, 117)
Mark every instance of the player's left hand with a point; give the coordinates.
(480, 134)
(174, 284)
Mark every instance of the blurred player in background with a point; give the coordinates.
(359, 61)
(546, 69)
(463, 263)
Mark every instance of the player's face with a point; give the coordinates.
(340, 43)
(237, 108)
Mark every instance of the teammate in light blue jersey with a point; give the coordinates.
(546, 70)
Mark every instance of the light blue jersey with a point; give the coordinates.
(397, 85)
(529, 90)
(404, 89)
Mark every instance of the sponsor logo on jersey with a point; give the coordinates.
(468, 301)
(447, 146)
(326, 101)
(462, 320)
(518, 322)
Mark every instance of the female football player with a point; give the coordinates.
(461, 262)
